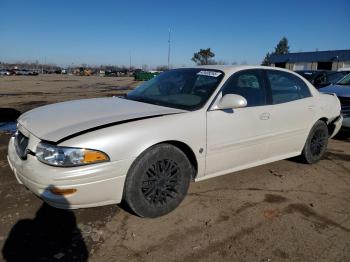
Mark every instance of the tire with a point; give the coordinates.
(316, 143)
(158, 181)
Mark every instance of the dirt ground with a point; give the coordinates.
(284, 211)
(26, 92)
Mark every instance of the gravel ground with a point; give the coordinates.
(26, 92)
(284, 211)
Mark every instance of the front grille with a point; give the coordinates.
(21, 144)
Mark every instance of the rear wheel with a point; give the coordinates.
(316, 143)
(158, 181)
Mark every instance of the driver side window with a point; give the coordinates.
(249, 84)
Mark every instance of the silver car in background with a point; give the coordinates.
(342, 90)
(4, 72)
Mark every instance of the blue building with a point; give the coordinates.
(318, 60)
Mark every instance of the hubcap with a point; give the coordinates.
(318, 143)
(160, 181)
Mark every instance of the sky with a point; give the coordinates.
(110, 32)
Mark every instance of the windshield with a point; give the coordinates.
(345, 80)
(335, 77)
(188, 88)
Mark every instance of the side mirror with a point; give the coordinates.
(231, 101)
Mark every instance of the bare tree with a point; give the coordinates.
(204, 57)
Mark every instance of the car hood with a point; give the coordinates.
(339, 90)
(58, 121)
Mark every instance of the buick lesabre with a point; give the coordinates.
(186, 124)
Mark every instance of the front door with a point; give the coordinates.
(237, 138)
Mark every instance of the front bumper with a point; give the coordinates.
(96, 185)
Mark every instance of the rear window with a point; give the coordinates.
(286, 87)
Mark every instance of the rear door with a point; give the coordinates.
(237, 138)
(291, 113)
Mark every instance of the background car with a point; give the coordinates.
(344, 69)
(4, 72)
(342, 90)
(322, 78)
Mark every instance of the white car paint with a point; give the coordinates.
(55, 121)
(221, 142)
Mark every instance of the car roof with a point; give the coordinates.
(317, 71)
(230, 69)
(311, 71)
(344, 69)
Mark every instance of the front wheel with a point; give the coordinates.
(158, 181)
(316, 143)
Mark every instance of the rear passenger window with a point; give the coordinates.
(286, 87)
(248, 84)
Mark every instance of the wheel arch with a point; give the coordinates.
(330, 125)
(187, 150)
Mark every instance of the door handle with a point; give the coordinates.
(265, 116)
(310, 107)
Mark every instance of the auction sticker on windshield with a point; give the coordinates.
(209, 73)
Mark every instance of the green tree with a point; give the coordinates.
(266, 61)
(281, 49)
(203, 57)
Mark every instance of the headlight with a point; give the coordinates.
(68, 156)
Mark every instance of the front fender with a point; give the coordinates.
(129, 140)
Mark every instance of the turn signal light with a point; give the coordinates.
(91, 156)
(62, 192)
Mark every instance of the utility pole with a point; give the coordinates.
(169, 49)
(129, 61)
(42, 68)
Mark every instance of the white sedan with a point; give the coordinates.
(185, 124)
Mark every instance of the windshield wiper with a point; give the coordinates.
(138, 98)
(144, 100)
